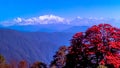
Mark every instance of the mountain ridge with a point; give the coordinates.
(31, 46)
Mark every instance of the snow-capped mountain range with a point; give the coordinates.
(53, 19)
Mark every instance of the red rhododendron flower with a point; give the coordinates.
(100, 44)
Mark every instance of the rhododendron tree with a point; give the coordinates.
(99, 45)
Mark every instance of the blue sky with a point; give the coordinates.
(10, 9)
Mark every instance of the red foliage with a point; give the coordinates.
(23, 64)
(98, 45)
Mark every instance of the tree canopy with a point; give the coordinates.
(99, 45)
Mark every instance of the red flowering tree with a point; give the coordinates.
(99, 45)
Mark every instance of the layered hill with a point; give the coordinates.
(31, 46)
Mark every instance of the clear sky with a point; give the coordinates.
(10, 9)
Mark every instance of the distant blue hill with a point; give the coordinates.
(35, 43)
(47, 28)
(31, 46)
(75, 29)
